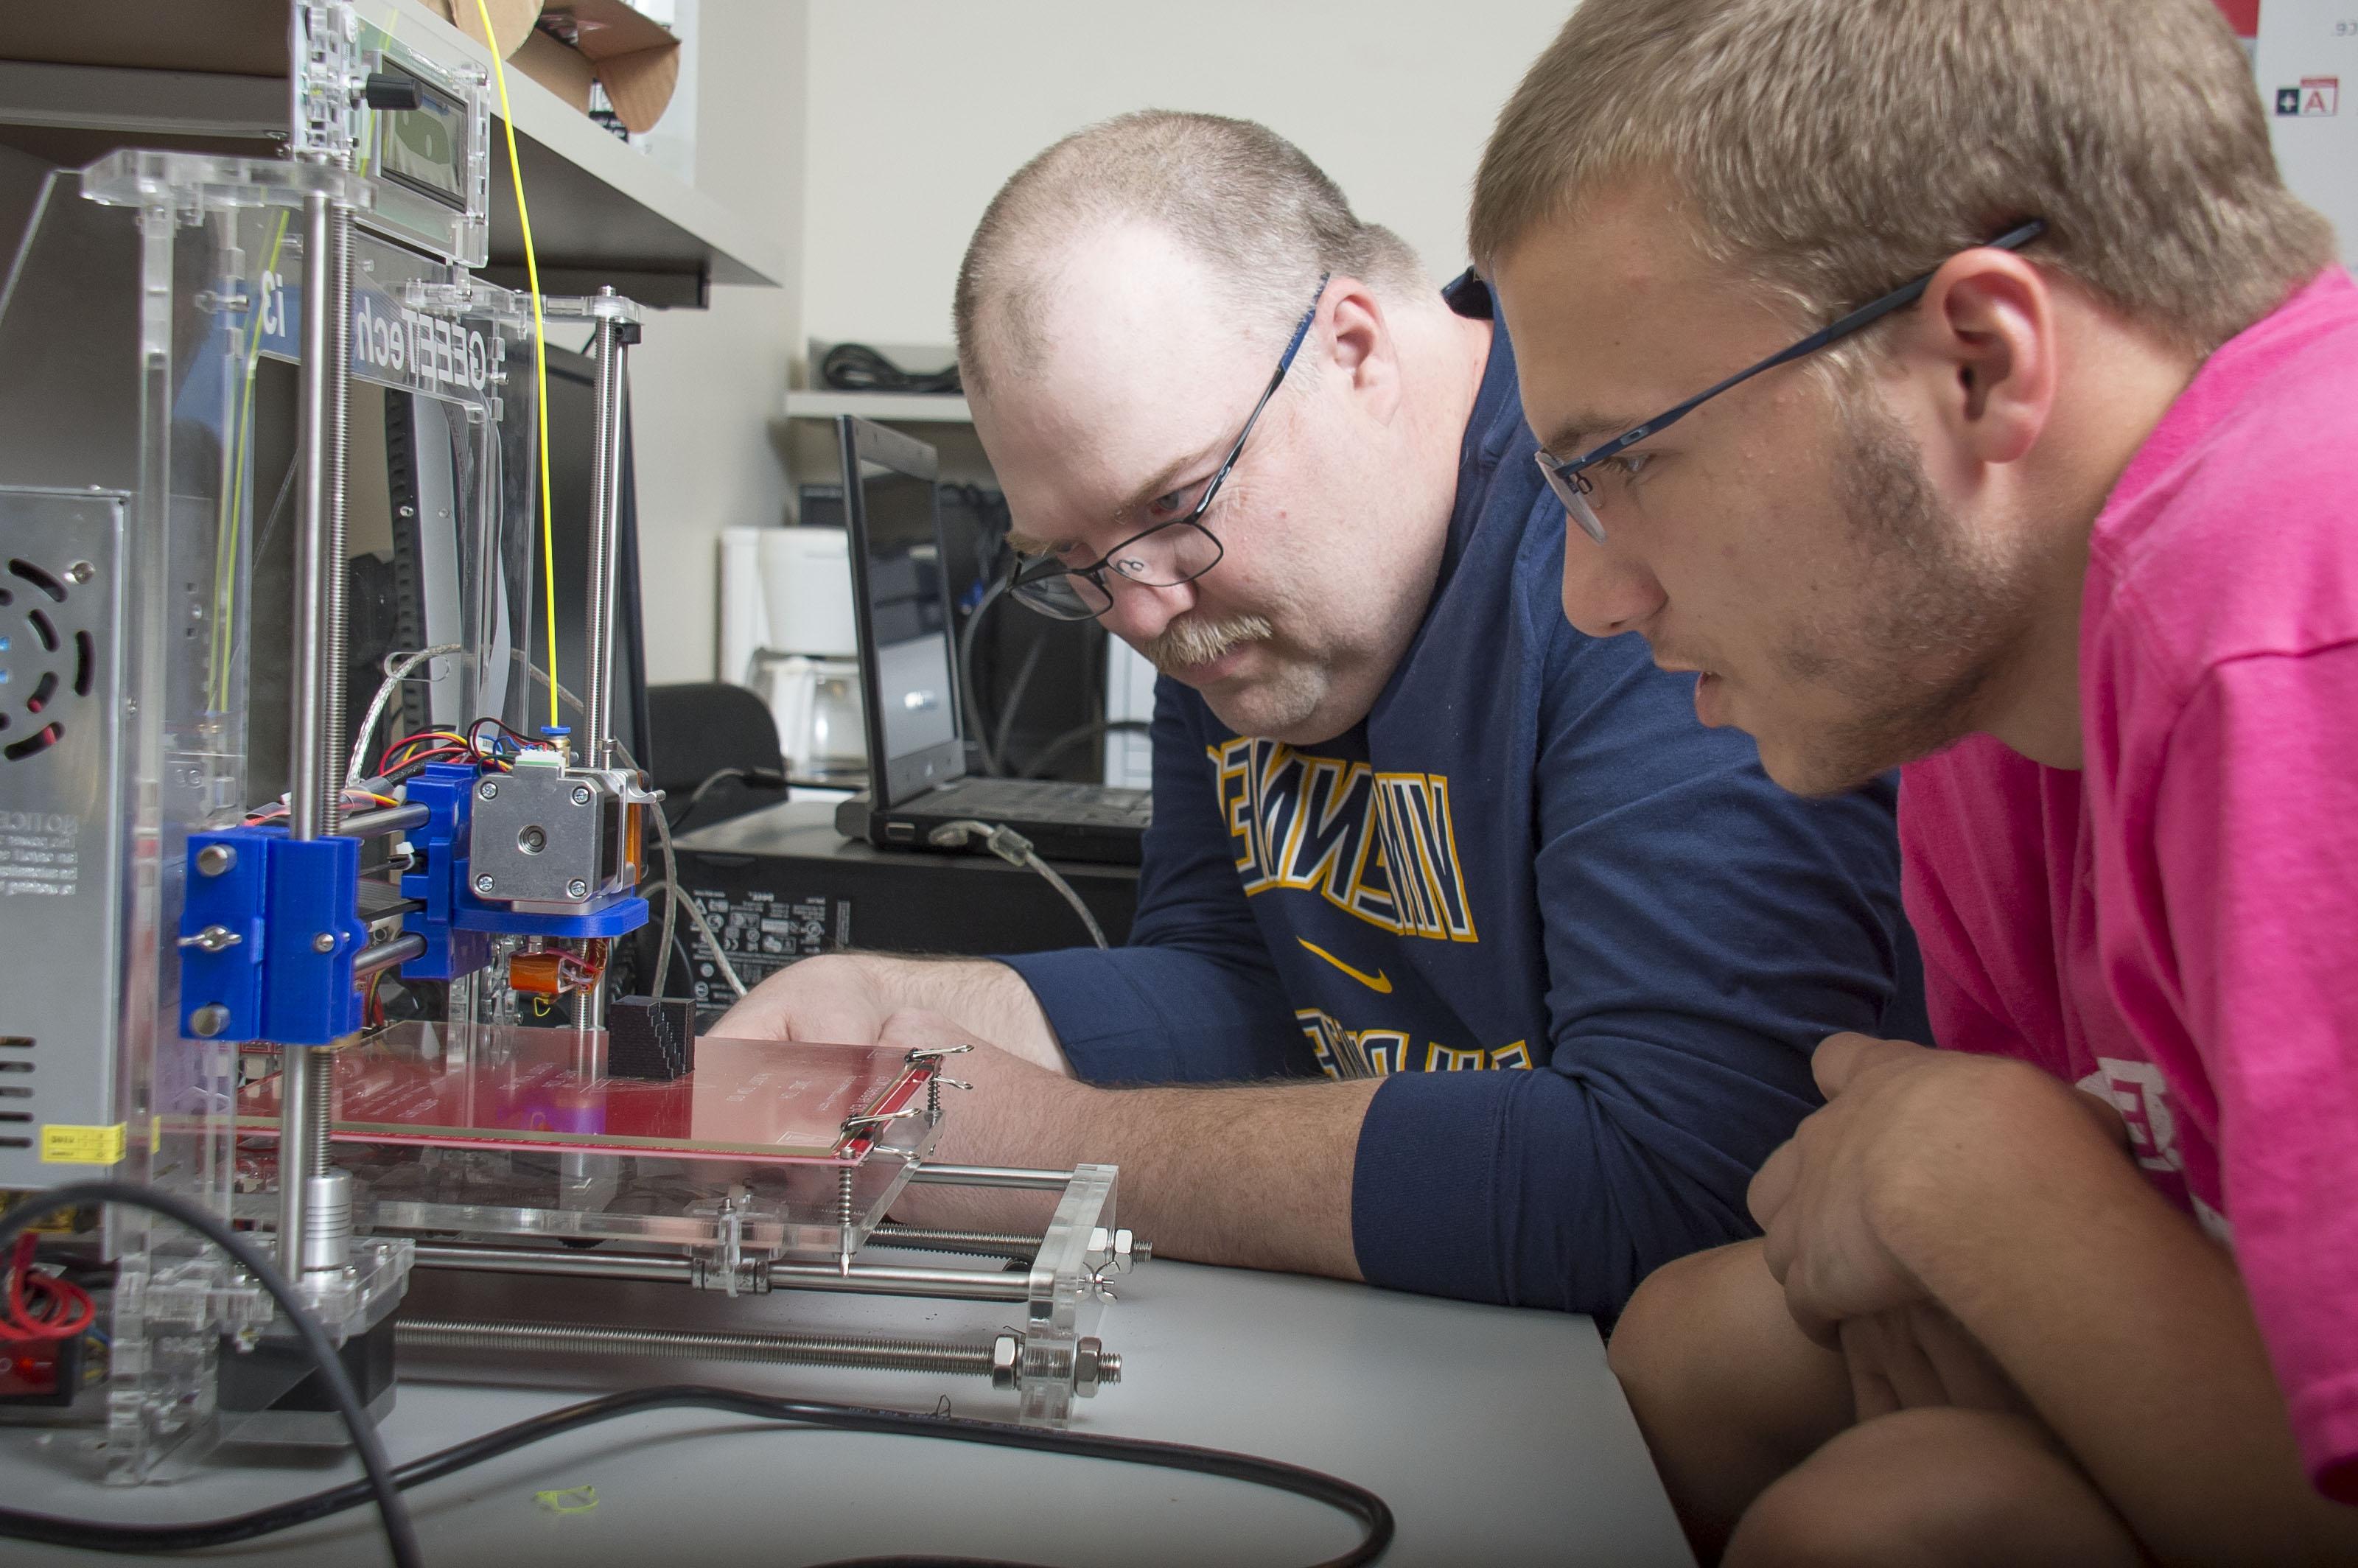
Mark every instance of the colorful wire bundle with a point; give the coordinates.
(515, 742)
(426, 746)
(407, 755)
(278, 808)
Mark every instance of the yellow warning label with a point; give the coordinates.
(63, 1145)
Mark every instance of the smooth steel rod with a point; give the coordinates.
(605, 543)
(884, 1280)
(582, 1265)
(312, 782)
(992, 1176)
(335, 596)
(383, 820)
(605, 572)
(795, 1349)
(385, 955)
(960, 1284)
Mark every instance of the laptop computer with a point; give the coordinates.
(917, 782)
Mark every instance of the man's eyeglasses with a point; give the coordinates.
(1166, 555)
(1570, 481)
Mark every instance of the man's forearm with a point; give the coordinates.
(2130, 1333)
(1257, 1176)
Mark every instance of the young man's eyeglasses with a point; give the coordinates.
(1166, 555)
(1570, 481)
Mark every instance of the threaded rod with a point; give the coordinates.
(987, 1243)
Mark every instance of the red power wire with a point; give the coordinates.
(42, 1308)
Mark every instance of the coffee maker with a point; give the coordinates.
(786, 631)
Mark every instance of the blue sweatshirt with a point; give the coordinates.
(1587, 941)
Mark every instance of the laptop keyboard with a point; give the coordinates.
(1095, 805)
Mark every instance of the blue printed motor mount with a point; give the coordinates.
(268, 932)
(456, 923)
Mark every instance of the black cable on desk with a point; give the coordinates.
(1375, 1517)
(761, 778)
(856, 367)
(379, 1484)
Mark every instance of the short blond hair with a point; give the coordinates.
(1235, 193)
(1830, 149)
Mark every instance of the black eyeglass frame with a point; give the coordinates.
(1569, 479)
(1094, 574)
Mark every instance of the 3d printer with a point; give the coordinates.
(210, 878)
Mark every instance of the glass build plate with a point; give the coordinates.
(485, 1086)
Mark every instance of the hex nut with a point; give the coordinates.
(1093, 1366)
(1004, 1352)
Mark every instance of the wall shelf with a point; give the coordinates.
(207, 74)
(909, 407)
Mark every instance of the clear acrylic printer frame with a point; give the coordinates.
(212, 244)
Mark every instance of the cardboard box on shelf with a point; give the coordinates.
(635, 59)
(511, 20)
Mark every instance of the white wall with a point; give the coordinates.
(867, 135)
(920, 108)
(705, 384)
(2314, 42)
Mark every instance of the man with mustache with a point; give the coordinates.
(1407, 821)
(1955, 383)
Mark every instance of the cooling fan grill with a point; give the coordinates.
(44, 657)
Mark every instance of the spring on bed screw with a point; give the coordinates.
(845, 1214)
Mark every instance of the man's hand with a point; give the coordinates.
(847, 999)
(1255, 1175)
(2007, 1198)
(1905, 1131)
(833, 998)
(1918, 1356)
(1006, 1115)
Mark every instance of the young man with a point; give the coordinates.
(1407, 821)
(2071, 524)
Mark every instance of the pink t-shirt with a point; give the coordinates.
(2175, 928)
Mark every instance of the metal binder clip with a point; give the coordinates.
(868, 1125)
(921, 1054)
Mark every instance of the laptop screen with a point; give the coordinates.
(901, 600)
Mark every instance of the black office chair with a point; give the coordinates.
(714, 752)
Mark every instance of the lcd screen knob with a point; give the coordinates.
(390, 90)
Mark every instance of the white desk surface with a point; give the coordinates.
(1497, 1436)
